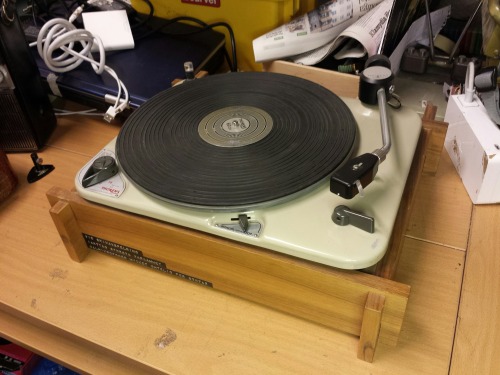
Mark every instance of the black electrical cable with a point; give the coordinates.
(233, 64)
(144, 20)
(233, 61)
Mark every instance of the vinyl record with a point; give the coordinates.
(236, 140)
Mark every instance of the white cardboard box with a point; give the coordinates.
(473, 143)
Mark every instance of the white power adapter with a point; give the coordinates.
(112, 27)
(473, 143)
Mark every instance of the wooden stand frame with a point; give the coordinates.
(371, 306)
(351, 301)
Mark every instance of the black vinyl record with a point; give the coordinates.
(235, 140)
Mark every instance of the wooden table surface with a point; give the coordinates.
(106, 316)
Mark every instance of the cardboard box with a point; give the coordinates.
(473, 143)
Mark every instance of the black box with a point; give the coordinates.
(26, 115)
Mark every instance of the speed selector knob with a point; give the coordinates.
(103, 168)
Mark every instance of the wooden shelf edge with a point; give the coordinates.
(72, 351)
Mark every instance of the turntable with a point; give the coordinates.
(237, 182)
(249, 156)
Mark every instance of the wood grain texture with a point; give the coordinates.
(345, 85)
(370, 328)
(437, 135)
(65, 222)
(478, 329)
(443, 210)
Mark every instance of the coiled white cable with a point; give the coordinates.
(55, 44)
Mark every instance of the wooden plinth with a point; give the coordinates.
(336, 298)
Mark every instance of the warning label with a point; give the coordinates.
(136, 256)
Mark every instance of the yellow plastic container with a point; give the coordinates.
(249, 19)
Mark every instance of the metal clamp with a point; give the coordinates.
(343, 215)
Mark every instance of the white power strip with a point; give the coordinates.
(473, 143)
(112, 27)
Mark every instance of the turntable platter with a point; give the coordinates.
(235, 140)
